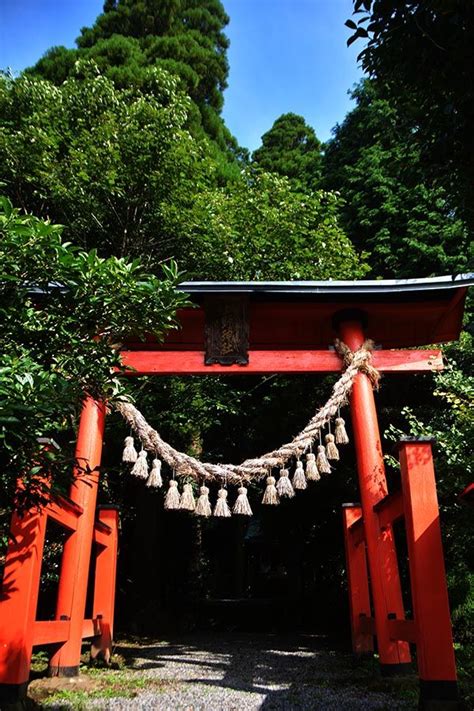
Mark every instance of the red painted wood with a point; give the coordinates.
(402, 629)
(101, 534)
(358, 583)
(104, 589)
(50, 632)
(367, 625)
(383, 566)
(435, 652)
(308, 324)
(90, 628)
(19, 595)
(186, 362)
(390, 509)
(72, 590)
(357, 532)
(65, 516)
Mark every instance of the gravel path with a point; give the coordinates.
(248, 673)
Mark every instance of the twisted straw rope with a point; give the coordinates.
(352, 363)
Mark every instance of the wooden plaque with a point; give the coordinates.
(226, 330)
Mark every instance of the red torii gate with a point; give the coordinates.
(268, 327)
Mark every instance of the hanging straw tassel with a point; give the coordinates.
(284, 486)
(222, 507)
(172, 496)
(312, 473)
(129, 452)
(332, 451)
(140, 468)
(242, 504)
(340, 433)
(322, 461)
(270, 495)
(187, 502)
(203, 507)
(299, 479)
(155, 481)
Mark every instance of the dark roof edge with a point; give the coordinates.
(375, 286)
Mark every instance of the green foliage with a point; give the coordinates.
(98, 159)
(119, 169)
(421, 55)
(260, 228)
(390, 208)
(63, 312)
(291, 148)
(184, 37)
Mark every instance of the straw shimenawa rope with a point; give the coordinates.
(352, 363)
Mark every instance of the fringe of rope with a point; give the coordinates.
(185, 465)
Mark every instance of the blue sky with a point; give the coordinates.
(285, 55)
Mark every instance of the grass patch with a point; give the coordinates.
(93, 683)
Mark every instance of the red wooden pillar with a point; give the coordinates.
(383, 565)
(18, 602)
(358, 583)
(104, 588)
(72, 591)
(435, 653)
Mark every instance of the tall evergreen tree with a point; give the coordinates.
(421, 54)
(291, 148)
(391, 209)
(185, 37)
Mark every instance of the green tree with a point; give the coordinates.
(185, 37)
(421, 55)
(260, 227)
(53, 354)
(391, 208)
(119, 169)
(100, 160)
(291, 148)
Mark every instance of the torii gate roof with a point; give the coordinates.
(300, 314)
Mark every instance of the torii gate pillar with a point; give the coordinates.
(382, 558)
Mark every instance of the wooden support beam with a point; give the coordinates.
(102, 534)
(73, 580)
(358, 582)
(91, 628)
(64, 512)
(104, 586)
(435, 652)
(402, 629)
(191, 362)
(19, 598)
(50, 632)
(389, 509)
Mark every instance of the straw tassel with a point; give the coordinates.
(242, 504)
(312, 473)
(155, 481)
(140, 468)
(203, 507)
(284, 486)
(270, 495)
(172, 496)
(322, 461)
(129, 452)
(340, 433)
(187, 502)
(222, 507)
(299, 479)
(332, 451)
